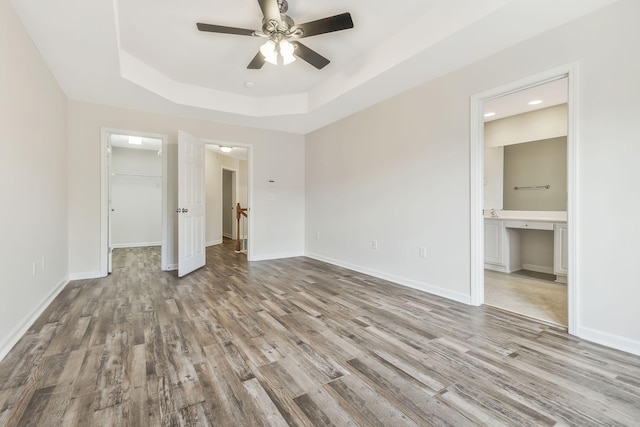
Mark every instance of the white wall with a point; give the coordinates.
(399, 173)
(136, 197)
(33, 181)
(278, 224)
(243, 183)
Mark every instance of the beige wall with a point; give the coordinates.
(33, 181)
(536, 163)
(533, 126)
(398, 173)
(278, 220)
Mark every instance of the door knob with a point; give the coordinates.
(185, 210)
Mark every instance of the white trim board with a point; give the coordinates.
(268, 257)
(213, 243)
(538, 268)
(609, 340)
(135, 245)
(85, 275)
(24, 326)
(402, 281)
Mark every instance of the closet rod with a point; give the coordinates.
(135, 175)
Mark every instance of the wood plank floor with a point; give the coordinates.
(298, 342)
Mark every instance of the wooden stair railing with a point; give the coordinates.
(240, 212)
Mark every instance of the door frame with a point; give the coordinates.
(234, 199)
(105, 134)
(570, 71)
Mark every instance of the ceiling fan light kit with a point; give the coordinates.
(283, 34)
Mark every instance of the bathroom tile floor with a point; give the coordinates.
(531, 294)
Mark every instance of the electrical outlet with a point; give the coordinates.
(422, 253)
(317, 235)
(374, 244)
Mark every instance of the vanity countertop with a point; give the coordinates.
(545, 216)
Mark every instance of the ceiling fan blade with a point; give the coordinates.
(326, 25)
(257, 62)
(310, 55)
(270, 10)
(225, 30)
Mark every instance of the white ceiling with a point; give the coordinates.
(148, 55)
(240, 153)
(122, 141)
(552, 93)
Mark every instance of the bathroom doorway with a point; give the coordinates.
(522, 180)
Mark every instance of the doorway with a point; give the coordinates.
(133, 213)
(497, 233)
(227, 182)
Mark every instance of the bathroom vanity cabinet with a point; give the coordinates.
(503, 240)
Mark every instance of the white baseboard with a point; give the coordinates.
(277, 256)
(85, 275)
(403, 281)
(135, 245)
(498, 268)
(213, 243)
(609, 340)
(228, 236)
(538, 268)
(8, 343)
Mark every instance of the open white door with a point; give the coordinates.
(191, 250)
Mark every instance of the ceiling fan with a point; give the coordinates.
(282, 35)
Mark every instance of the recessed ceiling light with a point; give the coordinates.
(535, 102)
(249, 85)
(491, 114)
(226, 149)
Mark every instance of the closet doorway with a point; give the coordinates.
(134, 198)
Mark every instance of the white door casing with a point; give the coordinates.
(109, 214)
(191, 204)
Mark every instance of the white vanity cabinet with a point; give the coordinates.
(503, 242)
(501, 247)
(493, 230)
(561, 252)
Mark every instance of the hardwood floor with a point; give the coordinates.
(298, 342)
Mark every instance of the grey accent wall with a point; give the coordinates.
(534, 164)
